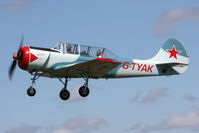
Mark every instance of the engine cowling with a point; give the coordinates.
(24, 58)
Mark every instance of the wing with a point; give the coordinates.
(96, 68)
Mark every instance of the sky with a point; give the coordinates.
(129, 28)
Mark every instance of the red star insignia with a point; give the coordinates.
(173, 52)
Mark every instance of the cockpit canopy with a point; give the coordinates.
(69, 48)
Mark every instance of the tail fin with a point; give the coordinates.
(173, 55)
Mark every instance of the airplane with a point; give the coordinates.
(67, 60)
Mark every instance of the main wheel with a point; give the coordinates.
(31, 91)
(64, 94)
(84, 91)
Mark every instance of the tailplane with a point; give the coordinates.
(172, 56)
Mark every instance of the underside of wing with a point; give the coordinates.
(96, 68)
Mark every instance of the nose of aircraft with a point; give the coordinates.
(24, 57)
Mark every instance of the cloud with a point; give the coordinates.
(63, 130)
(75, 93)
(24, 129)
(135, 127)
(154, 95)
(16, 4)
(80, 124)
(166, 22)
(84, 123)
(190, 97)
(136, 97)
(188, 121)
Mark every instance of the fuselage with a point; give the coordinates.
(47, 60)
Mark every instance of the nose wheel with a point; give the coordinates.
(31, 91)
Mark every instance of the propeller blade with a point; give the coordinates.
(12, 68)
(16, 58)
(21, 44)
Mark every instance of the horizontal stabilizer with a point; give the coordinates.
(171, 68)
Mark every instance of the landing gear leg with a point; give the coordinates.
(64, 93)
(84, 90)
(31, 90)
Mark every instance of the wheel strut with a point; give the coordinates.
(31, 90)
(86, 83)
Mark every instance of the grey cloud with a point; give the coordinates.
(154, 95)
(63, 130)
(135, 127)
(74, 95)
(80, 124)
(24, 129)
(16, 4)
(190, 97)
(148, 128)
(188, 121)
(84, 123)
(166, 22)
(136, 97)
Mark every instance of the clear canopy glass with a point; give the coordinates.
(83, 50)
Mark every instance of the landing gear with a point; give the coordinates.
(84, 90)
(31, 90)
(64, 93)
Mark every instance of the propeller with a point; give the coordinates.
(16, 58)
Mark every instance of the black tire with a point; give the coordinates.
(64, 94)
(84, 91)
(31, 92)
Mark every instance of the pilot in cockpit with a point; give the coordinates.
(68, 49)
(99, 53)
